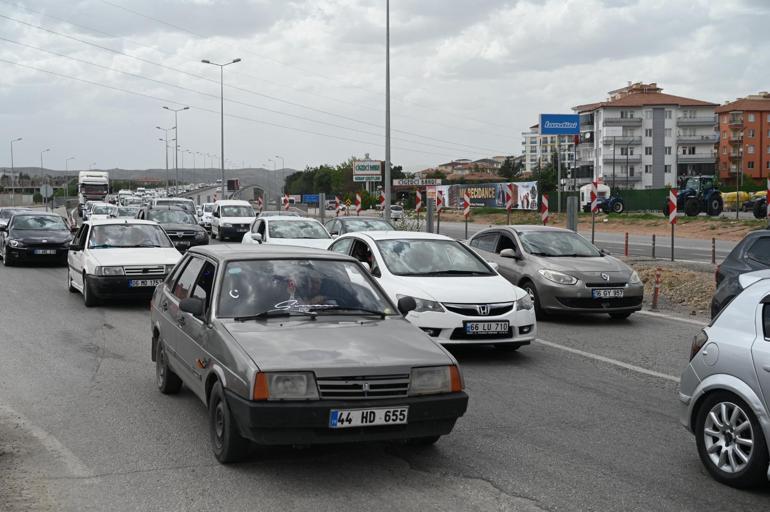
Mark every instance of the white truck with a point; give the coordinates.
(92, 186)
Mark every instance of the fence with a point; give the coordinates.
(634, 200)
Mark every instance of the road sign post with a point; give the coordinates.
(358, 203)
(439, 207)
(508, 202)
(466, 211)
(672, 197)
(417, 205)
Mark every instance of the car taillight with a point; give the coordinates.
(698, 341)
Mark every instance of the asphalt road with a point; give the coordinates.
(585, 419)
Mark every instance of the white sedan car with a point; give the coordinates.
(119, 258)
(460, 298)
(288, 230)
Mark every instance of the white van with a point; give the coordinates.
(231, 219)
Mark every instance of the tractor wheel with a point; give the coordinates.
(760, 210)
(714, 206)
(692, 207)
(620, 207)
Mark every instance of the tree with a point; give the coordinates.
(511, 170)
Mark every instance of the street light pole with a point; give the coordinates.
(45, 199)
(165, 139)
(386, 208)
(222, 113)
(13, 187)
(176, 149)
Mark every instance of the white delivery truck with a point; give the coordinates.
(92, 186)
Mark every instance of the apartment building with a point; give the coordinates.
(744, 144)
(540, 149)
(642, 138)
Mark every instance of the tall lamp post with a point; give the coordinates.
(67, 184)
(222, 113)
(386, 208)
(13, 174)
(45, 199)
(165, 139)
(176, 134)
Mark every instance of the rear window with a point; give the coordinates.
(760, 251)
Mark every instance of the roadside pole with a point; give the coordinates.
(656, 288)
(509, 202)
(544, 209)
(466, 211)
(672, 216)
(439, 207)
(594, 207)
(429, 205)
(653, 246)
(358, 204)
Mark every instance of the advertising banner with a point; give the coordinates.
(559, 124)
(490, 195)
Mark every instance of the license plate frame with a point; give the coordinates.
(480, 328)
(368, 417)
(45, 252)
(607, 293)
(144, 283)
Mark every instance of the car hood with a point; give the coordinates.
(587, 269)
(136, 256)
(99, 216)
(326, 346)
(32, 236)
(236, 220)
(314, 243)
(457, 289)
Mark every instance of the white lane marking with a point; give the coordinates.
(615, 362)
(74, 465)
(699, 323)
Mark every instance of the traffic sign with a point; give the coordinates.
(46, 191)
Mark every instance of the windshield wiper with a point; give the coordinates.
(452, 273)
(323, 309)
(272, 313)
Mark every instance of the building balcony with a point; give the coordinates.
(622, 121)
(735, 120)
(698, 158)
(621, 159)
(622, 141)
(620, 177)
(696, 121)
(735, 139)
(697, 139)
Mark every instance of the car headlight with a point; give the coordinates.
(285, 386)
(200, 235)
(424, 305)
(432, 380)
(524, 303)
(109, 271)
(634, 279)
(226, 225)
(557, 277)
(15, 243)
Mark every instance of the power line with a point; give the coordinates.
(208, 110)
(274, 98)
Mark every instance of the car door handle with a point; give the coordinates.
(766, 367)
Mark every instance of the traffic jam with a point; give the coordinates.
(294, 332)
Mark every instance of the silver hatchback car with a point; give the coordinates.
(286, 346)
(725, 390)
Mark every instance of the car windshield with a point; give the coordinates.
(109, 236)
(557, 244)
(39, 222)
(101, 209)
(237, 211)
(187, 205)
(208, 208)
(170, 217)
(285, 286)
(127, 212)
(430, 258)
(352, 225)
(296, 229)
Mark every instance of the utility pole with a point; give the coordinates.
(176, 145)
(386, 208)
(13, 175)
(165, 139)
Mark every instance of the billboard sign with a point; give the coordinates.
(310, 198)
(367, 168)
(491, 195)
(361, 179)
(415, 182)
(559, 124)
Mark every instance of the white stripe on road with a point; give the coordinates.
(74, 465)
(614, 362)
(699, 323)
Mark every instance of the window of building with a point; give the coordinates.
(648, 150)
(750, 164)
(724, 150)
(648, 115)
(626, 114)
(667, 150)
(647, 169)
(750, 149)
(631, 170)
(648, 132)
(751, 133)
(667, 169)
(667, 132)
(751, 118)
(668, 114)
(626, 150)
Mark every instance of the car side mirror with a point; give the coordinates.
(604, 252)
(335, 235)
(75, 247)
(4, 227)
(192, 305)
(367, 266)
(509, 253)
(257, 237)
(406, 304)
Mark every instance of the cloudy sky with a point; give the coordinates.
(89, 78)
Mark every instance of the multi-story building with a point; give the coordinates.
(744, 144)
(642, 138)
(539, 150)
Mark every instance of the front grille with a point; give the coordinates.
(150, 270)
(361, 388)
(497, 309)
(588, 303)
(181, 235)
(605, 284)
(460, 334)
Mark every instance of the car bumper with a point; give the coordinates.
(449, 328)
(28, 254)
(232, 232)
(688, 384)
(578, 299)
(284, 423)
(120, 287)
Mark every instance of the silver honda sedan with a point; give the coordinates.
(725, 390)
(288, 346)
(561, 270)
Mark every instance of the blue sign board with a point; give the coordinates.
(559, 124)
(310, 198)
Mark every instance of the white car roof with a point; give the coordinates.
(750, 278)
(103, 222)
(400, 235)
(233, 202)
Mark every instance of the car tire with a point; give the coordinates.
(529, 287)
(618, 207)
(754, 469)
(620, 316)
(226, 441)
(168, 382)
(423, 441)
(715, 206)
(88, 295)
(759, 210)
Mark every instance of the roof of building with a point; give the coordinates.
(642, 95)
(758, 102)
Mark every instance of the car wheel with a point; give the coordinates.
(620, 316)
(168, 382)
(529, 287)
(618, 207)
(730, 441)
(423, 441)
(226, 440)
(88, 295)
(715, 206)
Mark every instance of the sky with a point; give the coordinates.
(88, 78)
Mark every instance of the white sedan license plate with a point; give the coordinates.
(346, 418)
(607, 293)
(501, 327)
(45, 251)
(142, 283)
